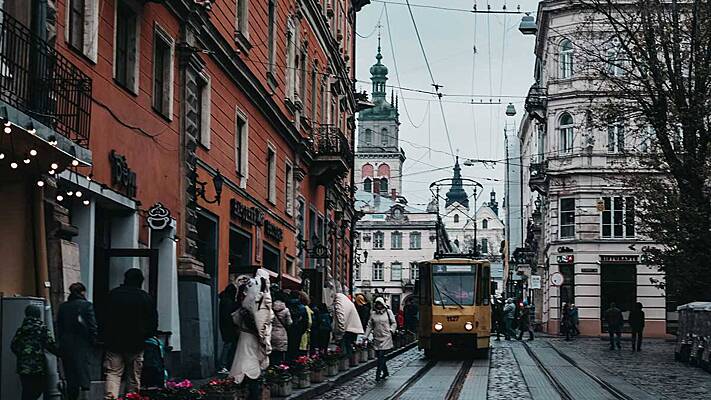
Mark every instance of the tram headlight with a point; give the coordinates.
(468, 326)
(438, 326)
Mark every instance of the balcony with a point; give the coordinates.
(39, 82)
(536, 102)
(333, 156)
(538, 180)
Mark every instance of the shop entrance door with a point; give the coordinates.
(150, 254)
(618, 284)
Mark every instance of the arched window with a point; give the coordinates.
(565, 125)
(566, 59)
(384, 137)
(485, 224)
(367, 170)
(384, 170)
(368, 137)
(368, 185)
(383, 186)
(456, 218)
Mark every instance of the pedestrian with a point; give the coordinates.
(347, 324)
(228, 331)
(30, 342)
(363, 307)
(411, 312)
(565, 322)
(381, 325)
(574, 320)
(76, 336)
(131, 318)
(280, 328)
(636, 320)
(508, 313)
(400, 319)
(325, 323)
(299, 325)
(498, 317)
(304, 343)
(524, 322)
(614, 319)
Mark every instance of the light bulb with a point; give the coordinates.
(26, 161)
(70, 193)
(60, 197)
(86, 202)
(78, 193)
(33, 152)
(2, 155)
(54, 165)
(88, 178)
(13, 165)
(75, 162)
(32, 131)
(51, 172)
(8, 123)
(40, 183)
(8, 129)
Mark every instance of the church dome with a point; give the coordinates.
(378, 69)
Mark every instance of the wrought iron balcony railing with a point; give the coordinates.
(537, 101)
(40, 82)
(539, 178)
(329, 141)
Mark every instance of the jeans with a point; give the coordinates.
(118, 363)
(277, 357)
(615, 337)
(382, 367)
(33, 386)
(636, 339)
(347, 343)
(228, 354)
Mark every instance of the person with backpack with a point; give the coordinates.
(324, 327)
(299, 325)
(280, 326)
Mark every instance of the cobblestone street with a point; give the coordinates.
(505, 378)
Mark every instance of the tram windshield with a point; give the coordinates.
(453, 285)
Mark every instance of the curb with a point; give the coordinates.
(338, 380)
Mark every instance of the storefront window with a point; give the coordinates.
(271, 258)
(240, 245)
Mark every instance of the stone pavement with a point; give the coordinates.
(652, 370)
(505, 379)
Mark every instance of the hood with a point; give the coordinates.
(381, 301)
(360, 299)
(278, 306)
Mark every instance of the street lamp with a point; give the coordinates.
(528, 25)
(218, 180)
(510, 110)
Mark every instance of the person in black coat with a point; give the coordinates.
(131, 318)
(228, 305)
(410, 312)
(636, 320)
(76, 334)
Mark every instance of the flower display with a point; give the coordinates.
(227, 385)
(317, 363)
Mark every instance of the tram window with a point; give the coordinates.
(453, 288)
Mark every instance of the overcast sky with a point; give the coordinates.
(502, 69)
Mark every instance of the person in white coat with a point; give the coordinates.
(381, 325)
(346, 322)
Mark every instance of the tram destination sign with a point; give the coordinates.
(452, 268)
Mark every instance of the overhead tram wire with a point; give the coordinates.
(434, 83)
(474, 10)
(375, 28)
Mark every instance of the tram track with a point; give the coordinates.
(428, 376)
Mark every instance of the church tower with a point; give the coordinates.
(378, 157)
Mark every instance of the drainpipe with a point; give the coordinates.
(40, 244)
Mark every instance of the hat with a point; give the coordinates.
(380, 300)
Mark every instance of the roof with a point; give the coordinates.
(373, 203)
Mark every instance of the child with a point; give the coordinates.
(29, 344)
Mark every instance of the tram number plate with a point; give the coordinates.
(453, 318)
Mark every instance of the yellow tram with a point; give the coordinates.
(455, 314)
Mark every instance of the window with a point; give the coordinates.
(203, 107)
(163, 73)
(292, 61)
(485, 224)
(567, 218)
(368, 185)
(322, 104)
(368, 137)
(242, 18)
(76, 24)
(82, 33)
(271, 175)
(396, 271)
(302, 74)
(383, 186)
(484, 246)
(377, 271)
(242, 148)
(384, 137)
(291, 266)
(272, 39)
(618, 217)
(289, 188)
(396, 240)
(456, 218)
(541, 142)
(314, 94)
(378, 240)
(616, 59)
(414, 271)
(126, 47)
(415, 240)
(616, 136)
(566, 59)
(566, 133)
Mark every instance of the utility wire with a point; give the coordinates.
(375, 28)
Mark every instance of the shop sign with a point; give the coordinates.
(534, 282)
(158, 217)
(618, 259)
(273, 232)
(258, 246)
(591, 270)
(122, 177)
(247, 215)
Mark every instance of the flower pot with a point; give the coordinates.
(332, 369)
(353, 359)
(363, 356)
(318, 376)
(343, 364)
(282, 388)
(266, 393)
(303, 380)
(371, 354)
(225, 396)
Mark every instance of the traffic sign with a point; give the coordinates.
(534, 282)
(557, 279)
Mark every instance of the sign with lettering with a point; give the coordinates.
(272, 231)
(247, 215)
(592, 270)
(619, 259)
(534, 282)
(121, 176)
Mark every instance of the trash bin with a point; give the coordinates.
(694, 335)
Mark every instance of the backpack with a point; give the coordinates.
(299, 318)
(324, 322)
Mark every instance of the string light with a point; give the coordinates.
(86, 202)
(32, 131)
(54, 166)
(75, 163)
(51, 172)
(2, 155)
(33, 152)
(26, 161)
(40, 183)
(8, 123)
(13, 165)
(60, 197)
(70, 193)
(8, 129)
(78, 193)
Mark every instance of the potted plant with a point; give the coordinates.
(180, 390)
(318, 369)
(301, 372)
(224, 389)
(364, 352)
(332, 358)
(280, 380)
(343, 362)
(354, 358)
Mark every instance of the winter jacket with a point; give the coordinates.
(76, 334)
(636, 320)
(346, 317)
(410, 312)
(304, 345)
(227, 306)
(280, 323)
(363, 310)
(524, 320)
(29, 344)
(574, 316)
(131, 319)
(614, 319)
(509, 310)
(381, 325)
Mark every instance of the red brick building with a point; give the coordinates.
(209, 137)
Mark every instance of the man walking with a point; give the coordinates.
(346, 326)
(131, 319)
(524, 322)
(614, 319)
(636, 320)
(509, 313)
(228, 330)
